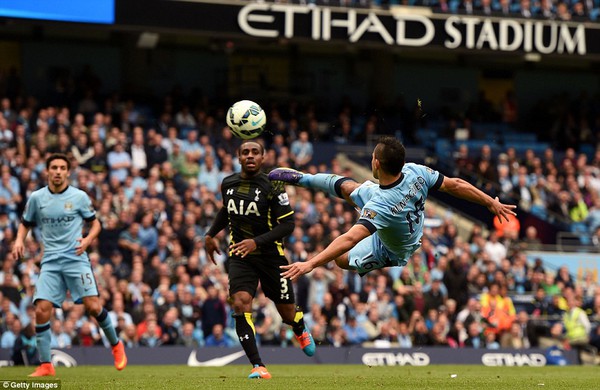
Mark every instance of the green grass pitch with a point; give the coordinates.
(320, 377)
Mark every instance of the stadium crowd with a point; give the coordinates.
(155, 186)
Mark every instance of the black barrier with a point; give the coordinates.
(216, 357)
(396, 27)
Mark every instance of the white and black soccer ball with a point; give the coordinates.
(246, 119)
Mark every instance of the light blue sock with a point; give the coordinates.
(107, 326)
(42, 338)
(325, 182)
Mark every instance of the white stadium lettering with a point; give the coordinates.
(391, 359)
(264, 20)
(513, 359)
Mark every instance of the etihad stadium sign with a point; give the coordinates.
(412, 30)
(400, 27)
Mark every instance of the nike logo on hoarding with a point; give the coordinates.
(216, 362)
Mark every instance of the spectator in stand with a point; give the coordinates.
(119, 162)
(169, 327)
(10, 192)
(577, 325)
(137, 150)
(301, 151)
(497, 319)
(11, 335)
(525, 9)
(218, 338)
(485, 8)
(434, 297)
(491, 340)
(420, 333)
(355, 333)
(474, 336)
(504, 10)
(130, 242)
(129, 336)
(60, 339)
(148, 234)
(156, 154)
(495, 249)
(152, 335)
(562, 12)
(209, 174)
(213, 311)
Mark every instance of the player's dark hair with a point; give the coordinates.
(262, 147)
(58, 156)
(391, 154)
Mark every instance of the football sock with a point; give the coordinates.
(42, 337)
(326, 182)
(244, 328)
(107, 326)
(298, 324)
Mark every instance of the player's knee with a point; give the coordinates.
(43, 311)
(241, 303)
(348, 187)
(342, 262)
(93, 308)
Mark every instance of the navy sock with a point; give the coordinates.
(107, 326)
(42, 337)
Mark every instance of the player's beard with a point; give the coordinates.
(58, 181)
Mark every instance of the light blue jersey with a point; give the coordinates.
(60, 218)
(394, 214)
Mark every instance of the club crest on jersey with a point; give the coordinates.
(283, 199)
(431, 171)
(369, 214)
(68, 206)
(257, 192)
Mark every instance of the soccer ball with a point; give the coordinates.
(246, 119)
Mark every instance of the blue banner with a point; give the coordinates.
(218, 357)
(96, 11)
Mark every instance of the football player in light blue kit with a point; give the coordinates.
(390, 226)
(59, 211)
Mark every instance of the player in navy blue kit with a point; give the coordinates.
(390, 226)
(259, 216)
(60, 211)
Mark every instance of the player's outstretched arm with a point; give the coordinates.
(338, 247)
(461, 189)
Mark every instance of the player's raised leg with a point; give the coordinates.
(332, 184)
(92, 306)
(43, 312)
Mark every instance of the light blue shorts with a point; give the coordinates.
(370, 253)
(64, 272)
